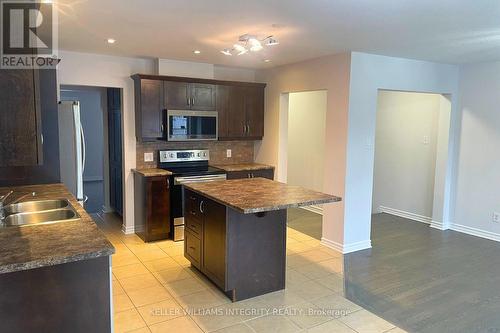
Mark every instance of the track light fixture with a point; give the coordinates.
(249, 43)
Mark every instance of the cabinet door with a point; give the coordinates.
(223, 110)
(177, 95)
(20, 123)
(236, 122)
(203, 97)
(263, 173)
(254, 112)
(158, 208)
(214, 241)
(151, 110)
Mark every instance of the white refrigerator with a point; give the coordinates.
(72, 148)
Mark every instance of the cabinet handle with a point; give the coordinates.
(161, 128)
(192, 248)
(201, 206)
(188, 101)
(193, 212)
(248, 129)
(192, 101)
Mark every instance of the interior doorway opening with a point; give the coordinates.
(411, 156)
(99, 132)
(304, 152)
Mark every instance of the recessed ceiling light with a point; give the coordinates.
(111, 41)
(196, 51)
(267, 60)
(226, 52)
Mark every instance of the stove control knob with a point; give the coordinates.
(204, 154)
(171, 155)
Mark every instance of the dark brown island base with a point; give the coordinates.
(54, 277)
(236, 232)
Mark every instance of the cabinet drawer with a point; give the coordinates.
(192, 206)
(194, 225)
(192, 248)
(263, 173)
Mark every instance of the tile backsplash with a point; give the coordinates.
(241, 151)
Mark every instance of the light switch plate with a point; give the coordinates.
(148, 157)
(228, 153)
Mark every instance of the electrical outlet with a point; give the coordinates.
(496, 217)
(148, 157)
(228, 153)
(426, 140)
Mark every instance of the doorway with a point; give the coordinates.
(100, 118)
(411, 150)
(305, 150)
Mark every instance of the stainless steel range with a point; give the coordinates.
(187, 166)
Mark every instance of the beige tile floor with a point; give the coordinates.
(156, 290)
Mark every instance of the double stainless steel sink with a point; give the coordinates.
(38, 212)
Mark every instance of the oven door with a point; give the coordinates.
(186, 125)
(177, 200)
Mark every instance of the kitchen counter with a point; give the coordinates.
(28, 247)
(254, 195)
(152, 172)
(243, 167)
(243, 253)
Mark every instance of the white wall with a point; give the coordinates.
(306, 139)
(405, 152)
(478, 183)
(369, 73)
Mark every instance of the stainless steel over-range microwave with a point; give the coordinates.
(187, 125)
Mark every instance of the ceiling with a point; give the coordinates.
(451, 31)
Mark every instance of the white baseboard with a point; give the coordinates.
(314, 209)
(475, 232)
(438, 225)
(406, 215)
(346, 248)
(127, 230)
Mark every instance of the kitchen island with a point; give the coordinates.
(236, 232)
(54, 277)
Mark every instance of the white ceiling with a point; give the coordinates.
(452, 31)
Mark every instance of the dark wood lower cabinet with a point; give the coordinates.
(262, 173)
(73, 297)
(243, 254)
(151, 207)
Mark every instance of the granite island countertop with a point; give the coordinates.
(28, 247)
(254, 195)
(242, 167)
(152, 172)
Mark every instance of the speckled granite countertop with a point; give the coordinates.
(243, 167)
(253, 195)
(153, 172)
(23, 248)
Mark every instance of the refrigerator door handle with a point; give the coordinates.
(83, 148)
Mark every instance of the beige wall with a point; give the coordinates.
(328, 73)
(306, 139)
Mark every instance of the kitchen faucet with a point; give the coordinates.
(2, 203)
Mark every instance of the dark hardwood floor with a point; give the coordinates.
(426, 280)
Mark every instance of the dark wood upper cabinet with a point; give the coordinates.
(240, 105)
(177, 95)
(189, 96)
(203, 97)
(20, 119)
(254, 112)
(241, 112)
(29, 135)
(149, 110)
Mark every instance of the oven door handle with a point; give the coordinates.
(198, 179)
